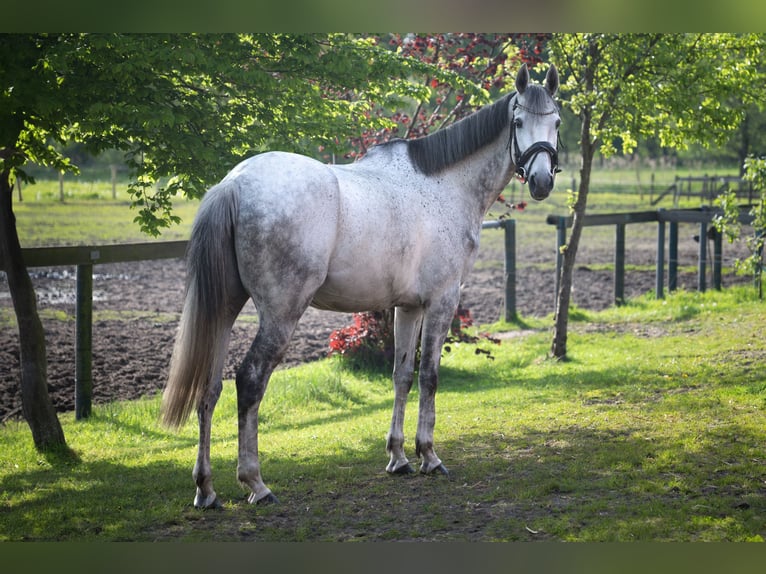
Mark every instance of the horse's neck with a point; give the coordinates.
(483, 175)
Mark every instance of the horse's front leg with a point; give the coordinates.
(203, 476)
(437, 322)
(406, 330)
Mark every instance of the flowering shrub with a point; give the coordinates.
(369, 341)
(510, 207)
(458, 334)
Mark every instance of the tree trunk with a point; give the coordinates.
(563, 297)
(744, 145)
(36, 404)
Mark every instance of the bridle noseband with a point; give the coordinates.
(522, 159)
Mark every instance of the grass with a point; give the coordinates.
(653, 430)
(88, 215)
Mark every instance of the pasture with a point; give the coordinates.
(653, 430)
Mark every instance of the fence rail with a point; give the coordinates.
(706, 187)
(92, 254)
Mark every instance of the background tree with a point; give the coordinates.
(483, 62)
(728, 222)
(677, 87)
(750, 139)
(181, 106)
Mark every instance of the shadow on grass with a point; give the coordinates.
(91, 501)
(61, 456)
(557, 482)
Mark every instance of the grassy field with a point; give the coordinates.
(654, 430)
(88, 215)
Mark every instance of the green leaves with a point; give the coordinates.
(729, 221)
(184, 108)
(681, 88)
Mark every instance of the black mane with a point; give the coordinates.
(447, 146)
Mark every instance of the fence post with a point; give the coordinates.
(702, 258)
(113, 168)
(509, 228)
(619, 264)
(673, 257)
(83, 382)
(717, 258)
(660, 276)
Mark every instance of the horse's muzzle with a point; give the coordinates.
(540, 187)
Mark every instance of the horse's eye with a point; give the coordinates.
(558, 123)
(517, 122)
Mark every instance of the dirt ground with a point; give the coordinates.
(137, 305)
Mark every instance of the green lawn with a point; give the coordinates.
(654, 430)
(88, 215)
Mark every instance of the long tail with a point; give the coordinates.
(212, 284)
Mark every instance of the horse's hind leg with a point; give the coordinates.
(406, 330)
(203, 477)
(202, 474)
(252, 379)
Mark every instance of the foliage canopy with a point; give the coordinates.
(678, 87)
(186, 107)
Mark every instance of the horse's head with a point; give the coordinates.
(534, 132)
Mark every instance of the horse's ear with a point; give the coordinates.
(552, 80)
(522, 79)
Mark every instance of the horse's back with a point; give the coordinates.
(283, 184)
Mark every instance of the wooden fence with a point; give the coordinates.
(84, 257)
(702, 216)
(705, 187)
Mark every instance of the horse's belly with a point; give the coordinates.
(352, 295)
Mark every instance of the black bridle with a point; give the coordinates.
(522, 159)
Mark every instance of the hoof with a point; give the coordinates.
(268, 499)
(216, 504)
(441, 469)
(404, 469)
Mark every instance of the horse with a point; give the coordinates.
(398, 228)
